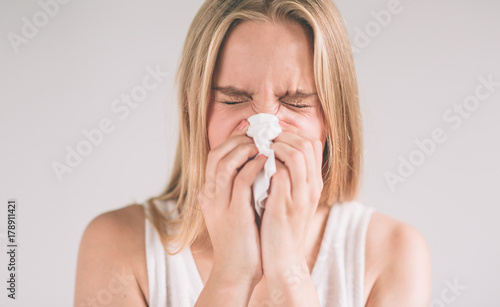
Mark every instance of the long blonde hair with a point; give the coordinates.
(336, 87)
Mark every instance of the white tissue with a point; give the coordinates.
(264, 128)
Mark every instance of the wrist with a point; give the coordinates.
(220, 290)
(232, 290)
(230, 283)
(290, 272)
(292, 286)
(227, 271)
(230, 278)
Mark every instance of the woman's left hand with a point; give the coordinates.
(292, 202)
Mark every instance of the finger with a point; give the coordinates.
(294, 160)
(241, 192)
(228, 168)
(317, 144)
(310, 146)
(237, 137)
(281, 189)
(241, 128)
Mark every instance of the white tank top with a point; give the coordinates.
(338, 273)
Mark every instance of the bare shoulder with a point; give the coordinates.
(398, 263)
(111, 267)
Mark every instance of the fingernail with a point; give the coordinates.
(261, 156)
(242, 124)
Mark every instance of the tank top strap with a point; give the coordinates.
(155, 262)
(338, 274)
(173, 279)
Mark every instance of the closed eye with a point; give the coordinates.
(233, 102)
(300, 106)
(290, 104)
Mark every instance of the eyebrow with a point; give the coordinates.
(233, 92)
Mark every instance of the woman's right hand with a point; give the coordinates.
(226, 203)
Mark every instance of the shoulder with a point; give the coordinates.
(111, 264)
(398, 263)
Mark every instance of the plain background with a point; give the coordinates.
(411, 71)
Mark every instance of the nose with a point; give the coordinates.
(269, 107)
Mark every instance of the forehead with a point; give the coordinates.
(256, 51)
(268, 33)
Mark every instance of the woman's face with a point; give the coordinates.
(265, 68)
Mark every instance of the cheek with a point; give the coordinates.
(313, 128)
(220, 126)
(312, 124)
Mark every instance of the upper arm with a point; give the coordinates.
(405, 276)
(107, 263)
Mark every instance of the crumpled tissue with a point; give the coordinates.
(264, 128)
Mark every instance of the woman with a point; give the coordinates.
(200, 243)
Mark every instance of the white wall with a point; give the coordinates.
(427, 58)
(424, 62)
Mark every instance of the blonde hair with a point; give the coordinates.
(336, 87)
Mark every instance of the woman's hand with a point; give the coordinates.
(225, 200)
(292, 202)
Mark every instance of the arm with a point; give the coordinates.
(405, 277)
(105, 269)
(221, 291)
(225, 201)
(290, 209)
(294, 287)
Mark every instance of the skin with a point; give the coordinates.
(271, 63)
(239, 264)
